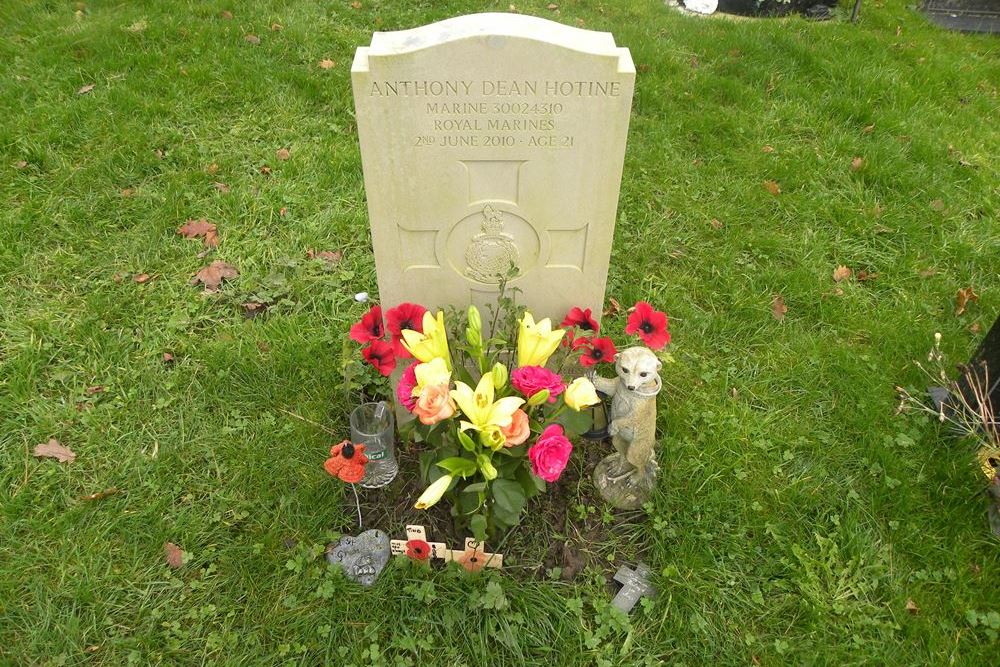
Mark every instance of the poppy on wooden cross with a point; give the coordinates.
(416, 546)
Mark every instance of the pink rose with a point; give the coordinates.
(404, 390)
(519, 429)
(550, 453)
(529, 380)
(434, 404)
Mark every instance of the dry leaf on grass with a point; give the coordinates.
(174, 555)
(912, 607)
(937, 205)
(772, 187)
(282, 154)
(167, 357)
(127, 192)
(96, 389)
(857, 163)
(331, 257)
(212, 275)
(552, 6)
(715, 223)
(86, 89)
(326, 64)
(20, 164)
(141, 278)
(963, 298)
(212, 168)
(778, 308)
(613, 307)
(277, 27)
(975, 328)
(200, 228)
(356, 4)
(265, 170)
(221, 187)
(226, 14)
(253, 39)
(54, 449)
(868, 129)
(866, 275)
(100, 495)
(767, 149)
(841, 273)
(283, 211)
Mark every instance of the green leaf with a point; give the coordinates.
(456, 465)
(467, 442)
(478, 526)
(532, 485)
(426, 461)
(509, 496)
(575, 423)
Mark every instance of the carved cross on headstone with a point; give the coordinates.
(475, 557)
(635, 584)
(417, 547)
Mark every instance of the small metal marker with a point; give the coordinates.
(635, 584)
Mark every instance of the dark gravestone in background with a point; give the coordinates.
(965, 15)
(985, 366)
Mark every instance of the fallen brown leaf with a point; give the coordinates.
(283, 211)
(96, 389)
(127, 192)
(975, 328)
(212, 168)
(912, 607)
(778, 308)
(265, 170)
(20, 164)
(167, 357)
(118, 277)
(937, 205)
(715, 223)
(253, 39)
(277, 27)
(613, 307)
(963, 298)
(141, 278)
(200, 228)
(54, 449)
(866, 275)
(212, 275)
(356, 4)
(100, 495)
(282, 154)
(841, 273)
(221, 187)
(772, 187)
(868, 129)
(694, 62)
(174, 555)
(767, 149)
(226, 14)
(927, 273)
(86, 89)
(857, 163)
(331, 257)
(326, 64)
(552, 6)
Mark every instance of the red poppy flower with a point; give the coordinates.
(379, 354)
(581, 319)
(651, 325)
(600, 350)
(347, 462)
(404, 316)
(369, 327)
(418, 550)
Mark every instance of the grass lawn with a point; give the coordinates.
(796, 515)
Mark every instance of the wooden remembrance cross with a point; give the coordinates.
(489, 140)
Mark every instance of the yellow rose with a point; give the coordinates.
(581, 394)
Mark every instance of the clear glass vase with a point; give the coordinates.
(373, 425)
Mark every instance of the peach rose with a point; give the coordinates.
(519, 429)
(434, 404)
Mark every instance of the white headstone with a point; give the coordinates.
(490, 139)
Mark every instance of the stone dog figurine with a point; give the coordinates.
(626, 478)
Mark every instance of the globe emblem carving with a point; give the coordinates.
(491, 252)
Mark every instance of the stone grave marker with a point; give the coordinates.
(489, 140)
(635, 584)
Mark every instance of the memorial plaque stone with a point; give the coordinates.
(489, 140)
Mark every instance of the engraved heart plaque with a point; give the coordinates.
(363, 557)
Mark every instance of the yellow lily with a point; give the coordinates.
(480, 408)
(433, 373)
(536, 342)
(433, 493)
(432, 343)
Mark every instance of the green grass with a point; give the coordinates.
(795, 516)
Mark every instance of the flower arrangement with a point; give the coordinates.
(496, 420)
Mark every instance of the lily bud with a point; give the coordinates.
(538, 398)
(474, 330)
(433, 493)
(500, 376)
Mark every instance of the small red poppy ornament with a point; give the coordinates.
(418, 550)
(347, 462)
(370, 326)
(380, 355)
(598, 351)
(649, 324)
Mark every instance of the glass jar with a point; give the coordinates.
(373, 425)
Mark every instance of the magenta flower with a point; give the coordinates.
(550, 453)
(529, 380)
(404, 390)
